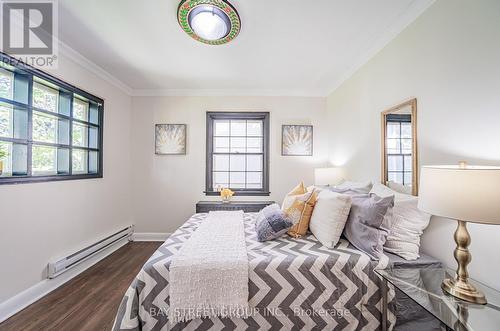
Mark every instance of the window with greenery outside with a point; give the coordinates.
(49, 130)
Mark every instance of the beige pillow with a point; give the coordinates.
(299, 205)
(329, 216)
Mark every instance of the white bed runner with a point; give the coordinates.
(209, 275)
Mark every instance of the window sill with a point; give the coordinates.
(43, 179)
(240, 193)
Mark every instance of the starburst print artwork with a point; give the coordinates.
(297, 140)
(170, 139)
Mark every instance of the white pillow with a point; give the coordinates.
(408, 224)
(384, 191)
(317, 188)
(400, 187)
(329, 216)
(361, 187)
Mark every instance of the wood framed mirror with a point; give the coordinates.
(399, 148)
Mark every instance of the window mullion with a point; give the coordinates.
(88, 145)
(29, 147)
(14, 102)
(71, 134)
(14, 140)
(401, 145)
(48, 112)
(100, 157)
(246, 151)
(229, 158)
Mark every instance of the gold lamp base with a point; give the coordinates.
(460, 287)
(463, 291)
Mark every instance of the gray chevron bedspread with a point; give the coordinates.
(294, 284)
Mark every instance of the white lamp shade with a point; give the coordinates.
(328, 176)
(470, 193)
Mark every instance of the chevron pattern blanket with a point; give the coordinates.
(294, 284)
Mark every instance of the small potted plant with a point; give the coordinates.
(2, 156)
(226, 195)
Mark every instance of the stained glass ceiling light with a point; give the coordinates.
(213, 22)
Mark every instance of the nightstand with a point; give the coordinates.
(437, 310)
(246, 206)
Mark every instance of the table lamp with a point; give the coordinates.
(328, 176)
(467, 194)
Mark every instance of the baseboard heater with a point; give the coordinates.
(58, 266)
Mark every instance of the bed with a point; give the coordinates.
(294, 284)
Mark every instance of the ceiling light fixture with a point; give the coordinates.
(213, 22)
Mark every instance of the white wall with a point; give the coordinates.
(449, 59)
(45, 220)
(167, 187)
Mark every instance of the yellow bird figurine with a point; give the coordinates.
(226, 195)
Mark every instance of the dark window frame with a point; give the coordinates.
(33, 75)
(210, 117)
(399, 119)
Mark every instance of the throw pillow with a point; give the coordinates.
(274, 224)
(407, 226)
(329, 216)
(362, 187)
(298, 205)
(404, 189)
(266, 211)
(366, 227)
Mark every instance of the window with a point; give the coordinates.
(237, 152)
(399, 149)
(49, 129)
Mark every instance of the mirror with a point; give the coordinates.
(399, 148)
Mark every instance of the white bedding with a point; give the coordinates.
(209, 275)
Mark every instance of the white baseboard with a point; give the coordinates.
(27, 297)
(150, 236)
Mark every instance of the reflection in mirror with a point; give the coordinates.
(399, 148)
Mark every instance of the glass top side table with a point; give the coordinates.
(423, 286)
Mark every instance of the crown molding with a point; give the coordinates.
(78, 58)
(66, 51)
(226, 93)
(414, 10)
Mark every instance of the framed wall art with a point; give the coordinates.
(170, 139)
(297, 140)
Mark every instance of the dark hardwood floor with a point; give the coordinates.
(88, 301)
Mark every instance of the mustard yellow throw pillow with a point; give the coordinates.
(299, 205)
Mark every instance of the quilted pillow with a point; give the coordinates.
(407, 226)
(329, 217)
(265, 212)
(274, 224)
(299, 205)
